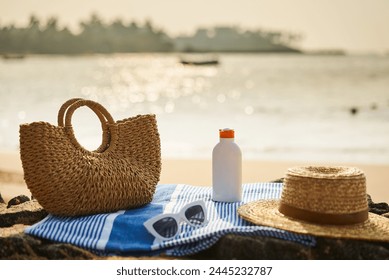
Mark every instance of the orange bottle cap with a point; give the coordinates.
(227, 133)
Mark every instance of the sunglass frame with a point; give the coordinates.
(178, 217)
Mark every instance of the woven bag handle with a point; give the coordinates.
(66, 105)
(105, 137)
(62, 110)
(104, 116)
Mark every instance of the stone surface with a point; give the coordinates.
(18, 200)
(14, 244)
(254, 247)
(26, 213)
(377, 208)
(25, 247)
(267, 248)
(22, 246)
(280, 180)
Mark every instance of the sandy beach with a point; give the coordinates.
(199, 173)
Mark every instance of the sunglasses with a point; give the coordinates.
(167, 226)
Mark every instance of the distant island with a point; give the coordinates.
(233, 39)
(96, 36)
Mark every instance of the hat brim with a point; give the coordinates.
(265, 212)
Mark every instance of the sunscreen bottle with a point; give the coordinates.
(227, 168)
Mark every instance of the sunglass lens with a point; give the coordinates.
(195, 215)
(166, 227)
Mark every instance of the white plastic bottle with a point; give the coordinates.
(227, 168)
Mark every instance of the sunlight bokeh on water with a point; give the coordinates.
(283, 107)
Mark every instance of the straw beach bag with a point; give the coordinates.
(69, 180)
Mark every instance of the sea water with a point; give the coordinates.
(283, 106)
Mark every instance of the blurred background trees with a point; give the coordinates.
(96, 36)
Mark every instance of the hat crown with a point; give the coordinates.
(325, 190)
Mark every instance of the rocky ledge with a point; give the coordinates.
(22, 211)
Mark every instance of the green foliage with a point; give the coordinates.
(95, 37)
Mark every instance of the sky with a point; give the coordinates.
(352, 25)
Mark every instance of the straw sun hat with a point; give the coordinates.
(321, 201)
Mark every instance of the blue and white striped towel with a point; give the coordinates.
(123, 233)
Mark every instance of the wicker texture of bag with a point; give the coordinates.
(68, 180)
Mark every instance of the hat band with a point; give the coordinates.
(323, 218)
